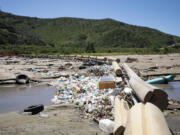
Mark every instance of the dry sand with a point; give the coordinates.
(10, 67)
(62, 120)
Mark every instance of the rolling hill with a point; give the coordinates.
(20, 34)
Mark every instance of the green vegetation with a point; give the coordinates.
(29, 35)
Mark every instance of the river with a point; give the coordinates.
(16, 98)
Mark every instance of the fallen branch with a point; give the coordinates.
(4, 80)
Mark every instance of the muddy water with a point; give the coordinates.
(15, 98)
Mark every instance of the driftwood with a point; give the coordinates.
(146, 92)
(120, 114)
(6, 83)
(146, 119)
(118, 60)
(11, 79)
(73, 57)
(52, 77)
(117, 68)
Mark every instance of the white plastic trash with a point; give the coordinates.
(106, 125)
(112, 98)
(27, 113)
(127, 90)
(42, 115)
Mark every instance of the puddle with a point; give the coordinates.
(16, 98)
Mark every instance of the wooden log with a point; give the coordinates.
(53, 77)
(118, 60)
(105, 59)
(110, 60)
(120, 114)
(146, 119)
(93, 58)
(129, 71)
(117, 68)
(101, 59)
(4, 80)
(146, 92)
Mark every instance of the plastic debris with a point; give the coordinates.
(33, 69)
(130, 60)
(107, 82)
(127, 90)
(106, 125)
(84, 92)
(42, 115)
(26, 113)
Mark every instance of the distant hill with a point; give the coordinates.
(60, 35)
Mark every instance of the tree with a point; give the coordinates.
(166, 50)
(90, 47)
(82, 37)
(155, 49)
(170, 40)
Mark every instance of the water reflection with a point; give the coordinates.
(17, 97)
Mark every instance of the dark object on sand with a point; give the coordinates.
(22, 79)
(100, 62)
(90, 63)
(82, 67)
(34, 109)
(130, 60)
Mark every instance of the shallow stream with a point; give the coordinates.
(16, 98)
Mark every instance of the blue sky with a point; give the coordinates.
(163, 15)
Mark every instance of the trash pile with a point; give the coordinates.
(101, 70)
(85, 93)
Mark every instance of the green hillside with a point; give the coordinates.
(20, 34)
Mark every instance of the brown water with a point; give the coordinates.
(16, 98)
